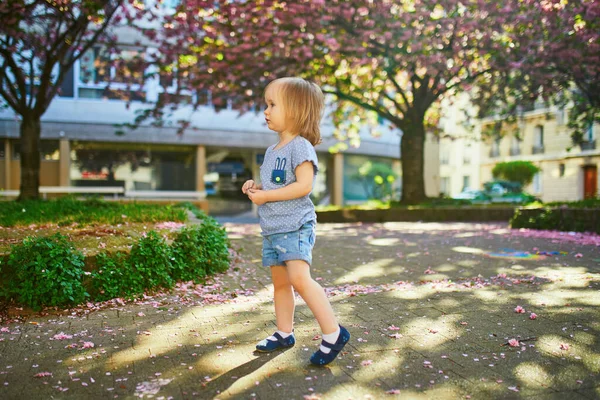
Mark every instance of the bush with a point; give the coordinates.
(149, 264)
(516, 171)
(562, 219)
(111, 278)
(200, 250)
(48, 271)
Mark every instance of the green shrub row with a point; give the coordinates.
(67, 210)
(563, 218)
(49, 271)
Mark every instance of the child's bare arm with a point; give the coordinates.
(300, 188)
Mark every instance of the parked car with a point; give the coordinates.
(507, 192)
(473, 195)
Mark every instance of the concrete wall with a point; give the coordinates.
(49, 174)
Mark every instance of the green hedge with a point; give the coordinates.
(49, 271)
(67, 210)
(562, 218)
(438, 214)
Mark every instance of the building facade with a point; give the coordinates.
(459, 149)
(82, 144)
(568, 172)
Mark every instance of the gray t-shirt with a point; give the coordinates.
(277, 171)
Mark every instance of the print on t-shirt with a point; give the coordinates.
(278, 174)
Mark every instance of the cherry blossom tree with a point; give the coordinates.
(553, 55)
(40, 41)
(389, 61)
(568, 56)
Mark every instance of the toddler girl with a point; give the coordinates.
(287, 215)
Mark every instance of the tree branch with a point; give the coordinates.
(353, 99)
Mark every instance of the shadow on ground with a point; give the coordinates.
(431, 310)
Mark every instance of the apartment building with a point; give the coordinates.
(568, 172)
(459, 149)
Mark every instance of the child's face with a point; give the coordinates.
(274, 114)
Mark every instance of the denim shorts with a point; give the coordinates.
(296, 245)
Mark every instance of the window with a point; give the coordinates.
(538, 140)
(467, 154)
(495, 150)
(49, 150)
(444, 157)
(515, 146)
(466, 182)
(103, 78)
(94, 66)
(537, 183)
(589, 134)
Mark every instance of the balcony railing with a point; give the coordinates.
(538, 149)
(515, 151)
(494, 152)
(588, 145)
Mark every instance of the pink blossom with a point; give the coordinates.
(393, 391)
(519, 310)
(578, 255)
(62, 336)
(533, 315)
(513, 343)
(429, 271)
(393, 328)
(366, 362)
(564, 346)
(170, 225)
(88, 345)
(42, 374)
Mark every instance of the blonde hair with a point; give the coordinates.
(303, 103)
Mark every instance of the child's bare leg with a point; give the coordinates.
(298, 273)
(283, 299)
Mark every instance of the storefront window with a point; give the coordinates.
(49, 150)
(135, 167)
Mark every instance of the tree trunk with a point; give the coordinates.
(30, 158)
(412, 148)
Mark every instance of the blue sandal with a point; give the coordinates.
(320, 358)
(266, 345)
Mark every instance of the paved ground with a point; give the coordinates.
(431, 310)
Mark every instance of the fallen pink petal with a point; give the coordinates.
(513, 343)
(532, 316)
(62, 336)
(519, 310)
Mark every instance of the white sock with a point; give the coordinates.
(283, 335)
(329, 338)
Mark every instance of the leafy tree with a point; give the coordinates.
(552, 56)
(516, 171)
(382, 61)
(377, 179)
(40, 41)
